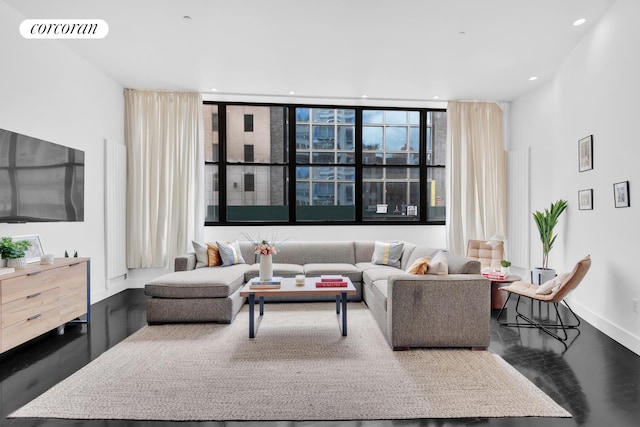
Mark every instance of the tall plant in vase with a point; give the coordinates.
(546, 222)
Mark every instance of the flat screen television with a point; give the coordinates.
(39, 181)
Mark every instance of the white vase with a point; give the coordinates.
(17, 263)
(505, 271)
(266, 267)
(541, 275)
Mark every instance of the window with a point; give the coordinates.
(257, 176)
(391, 165)
(325, 137)
(249, 182)
(248, 152)
(248, 123)
(214, 121)
(318, 164)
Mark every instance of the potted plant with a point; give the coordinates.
(504, 267)
(14, 251)
(546, 222)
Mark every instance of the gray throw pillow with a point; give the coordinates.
(387, 253)
(202, 259)
(230, 253)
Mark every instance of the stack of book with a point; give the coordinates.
(258, 283)
(495, 275)
(331, 281)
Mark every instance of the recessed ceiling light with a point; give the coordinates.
(579, 22)
(436, 97)
(213, 89)
(291, 92)
(532, 78)
(365, 96)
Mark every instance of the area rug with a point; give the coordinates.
(298, 367)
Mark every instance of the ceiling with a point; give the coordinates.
(336, 49)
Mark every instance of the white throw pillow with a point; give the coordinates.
(439, 264)
(202, 259)
(387, 253)
(230, 253)
(551, 285)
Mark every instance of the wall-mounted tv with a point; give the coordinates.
(39, 180)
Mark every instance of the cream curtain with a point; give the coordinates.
(165, 173)
(477, 173)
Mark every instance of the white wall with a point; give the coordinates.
(595, 91)
(49, 92)
(422, 234)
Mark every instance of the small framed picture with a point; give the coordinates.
(585, 153)
(34, 252)
(621, 194)
(585, 199)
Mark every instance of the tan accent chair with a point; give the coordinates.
(554, 297)
(489, 256)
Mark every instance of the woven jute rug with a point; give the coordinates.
(299, 367)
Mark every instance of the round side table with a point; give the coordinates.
(498, 298)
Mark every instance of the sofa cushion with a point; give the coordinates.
(364, 250)
(379, 289)
(213, 255)
(210, 282)
(439, 264)
(202, 259)
(406, 254)
(302, 253)
(420, 266)
(462, 265)
(381, 273)
(348, 270)
(230, 253)
(420, 252)
(387, 253)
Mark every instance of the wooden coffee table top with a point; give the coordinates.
(288, 287)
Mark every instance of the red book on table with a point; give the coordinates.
(334, 284)
(331, 278)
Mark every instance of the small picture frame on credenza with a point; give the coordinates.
(34, 252)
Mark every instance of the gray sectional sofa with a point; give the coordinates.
(412, 310)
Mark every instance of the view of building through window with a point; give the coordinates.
(346, 164)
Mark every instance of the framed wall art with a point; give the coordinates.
(621, 194)
(585, 199)
(34, 252)
(585, 153)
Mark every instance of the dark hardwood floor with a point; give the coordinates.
(595, 379)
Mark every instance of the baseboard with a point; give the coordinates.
(615, 332)
(106, 293)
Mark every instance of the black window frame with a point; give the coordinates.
(291, 165)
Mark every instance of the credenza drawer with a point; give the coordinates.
(29, 328)
(28, 284)
(29, 306)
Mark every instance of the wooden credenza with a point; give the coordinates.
(41, 297)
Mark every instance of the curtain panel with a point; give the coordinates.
(477, 173)
(165, 173)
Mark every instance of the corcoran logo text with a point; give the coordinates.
(64, 29)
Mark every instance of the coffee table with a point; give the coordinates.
(288, 287)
